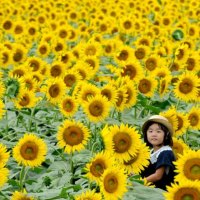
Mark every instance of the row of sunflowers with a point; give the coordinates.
(78, 79)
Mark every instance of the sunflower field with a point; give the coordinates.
(78, 78)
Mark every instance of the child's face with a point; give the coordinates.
(155, 135)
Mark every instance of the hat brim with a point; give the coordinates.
(161, 121)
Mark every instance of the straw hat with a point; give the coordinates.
(160, 119)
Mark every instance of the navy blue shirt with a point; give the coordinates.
(164, 158)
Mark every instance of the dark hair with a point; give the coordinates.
(167, 137)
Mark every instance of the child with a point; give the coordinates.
(158, 135)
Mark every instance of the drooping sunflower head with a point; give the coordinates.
(72, 136)
(30, 150)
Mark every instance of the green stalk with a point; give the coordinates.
(5, 197)
(72, 168)
(21, 178)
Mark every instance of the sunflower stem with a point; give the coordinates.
(72, 168)
(21, 178)
(30, 120)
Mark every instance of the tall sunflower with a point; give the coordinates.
(137, 162)
(89, 195)
(68, 106)
(122, 141)
(21, 196)
(194, 118)
(25, 99)
(57, 69)
(186, 88)
(182, 191)
(182, 53)
(72, 136)
(4, 172)
(4, 155)
(147, 86)
(98, 164)
(113, 185)
(30, 150)
(188, 166)
(71, 77)
(97, 108)
(179, 147)
(55, 89)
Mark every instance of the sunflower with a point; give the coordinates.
(30, 150)
(21, 196)
(141, 52)
(122, 141)
(71, 78)
(66, 57)
(182, 191)
(4, 172)
(186, 88)
(192, 62)
(68, 106)
(87, 90)
(137, 162)
(89, 195)
(6, 57)
(19, 53)
(32, 30)
(91, 49)
(34, 63)
(182, 53)
(126, 24)
(188, 166)
(72, 136)
(132, 69)
(62, 32)
(122, 94)
(4, 155)
(113, 185)
(25, 99)
(55, 89)
(171, 115)
(83, 69)
(110, 92)
(194, 118)
(152, 62)
(179, 147)
(97, 165)
(58, 46)
(93, 62)
(163, 86)
(18, 28)
(124, 54)
(43, 49)
(57, 69)
(144, 40)
(97, 108)
(7, 25)
(183, 123)
(147, 86)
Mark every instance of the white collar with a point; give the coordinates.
(154, 155)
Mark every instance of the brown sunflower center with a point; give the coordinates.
(110, 183)
(123, 55)
(144, 42)
(63, 34)
(96, 108)
(18, 73)
(192, 169)
(43, 50)
(131, 161)
(120, 98)
(32, 31)
(7, 25)
(65, 58)
(129, 70)
(193, 119)
(129, 93)
(144, 86)
(17, 57)
(162, 86)
(186, 86)
(25, 100)
(180, 54)
(35, 65)
(5, 57)
(190, 64)
(29, 84)
(140, 53)
(127, 24)
(90, 51)
(54, 90)
(18, 29)
(56, 70)
(90, 62)
(73, 135)
(151, 64)
(97, 168)
(187, 194)
(108, 48)
(122, 142)
(107, 93)
(68, 105)
(29, 150)
(59, 47)
(69, 80)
